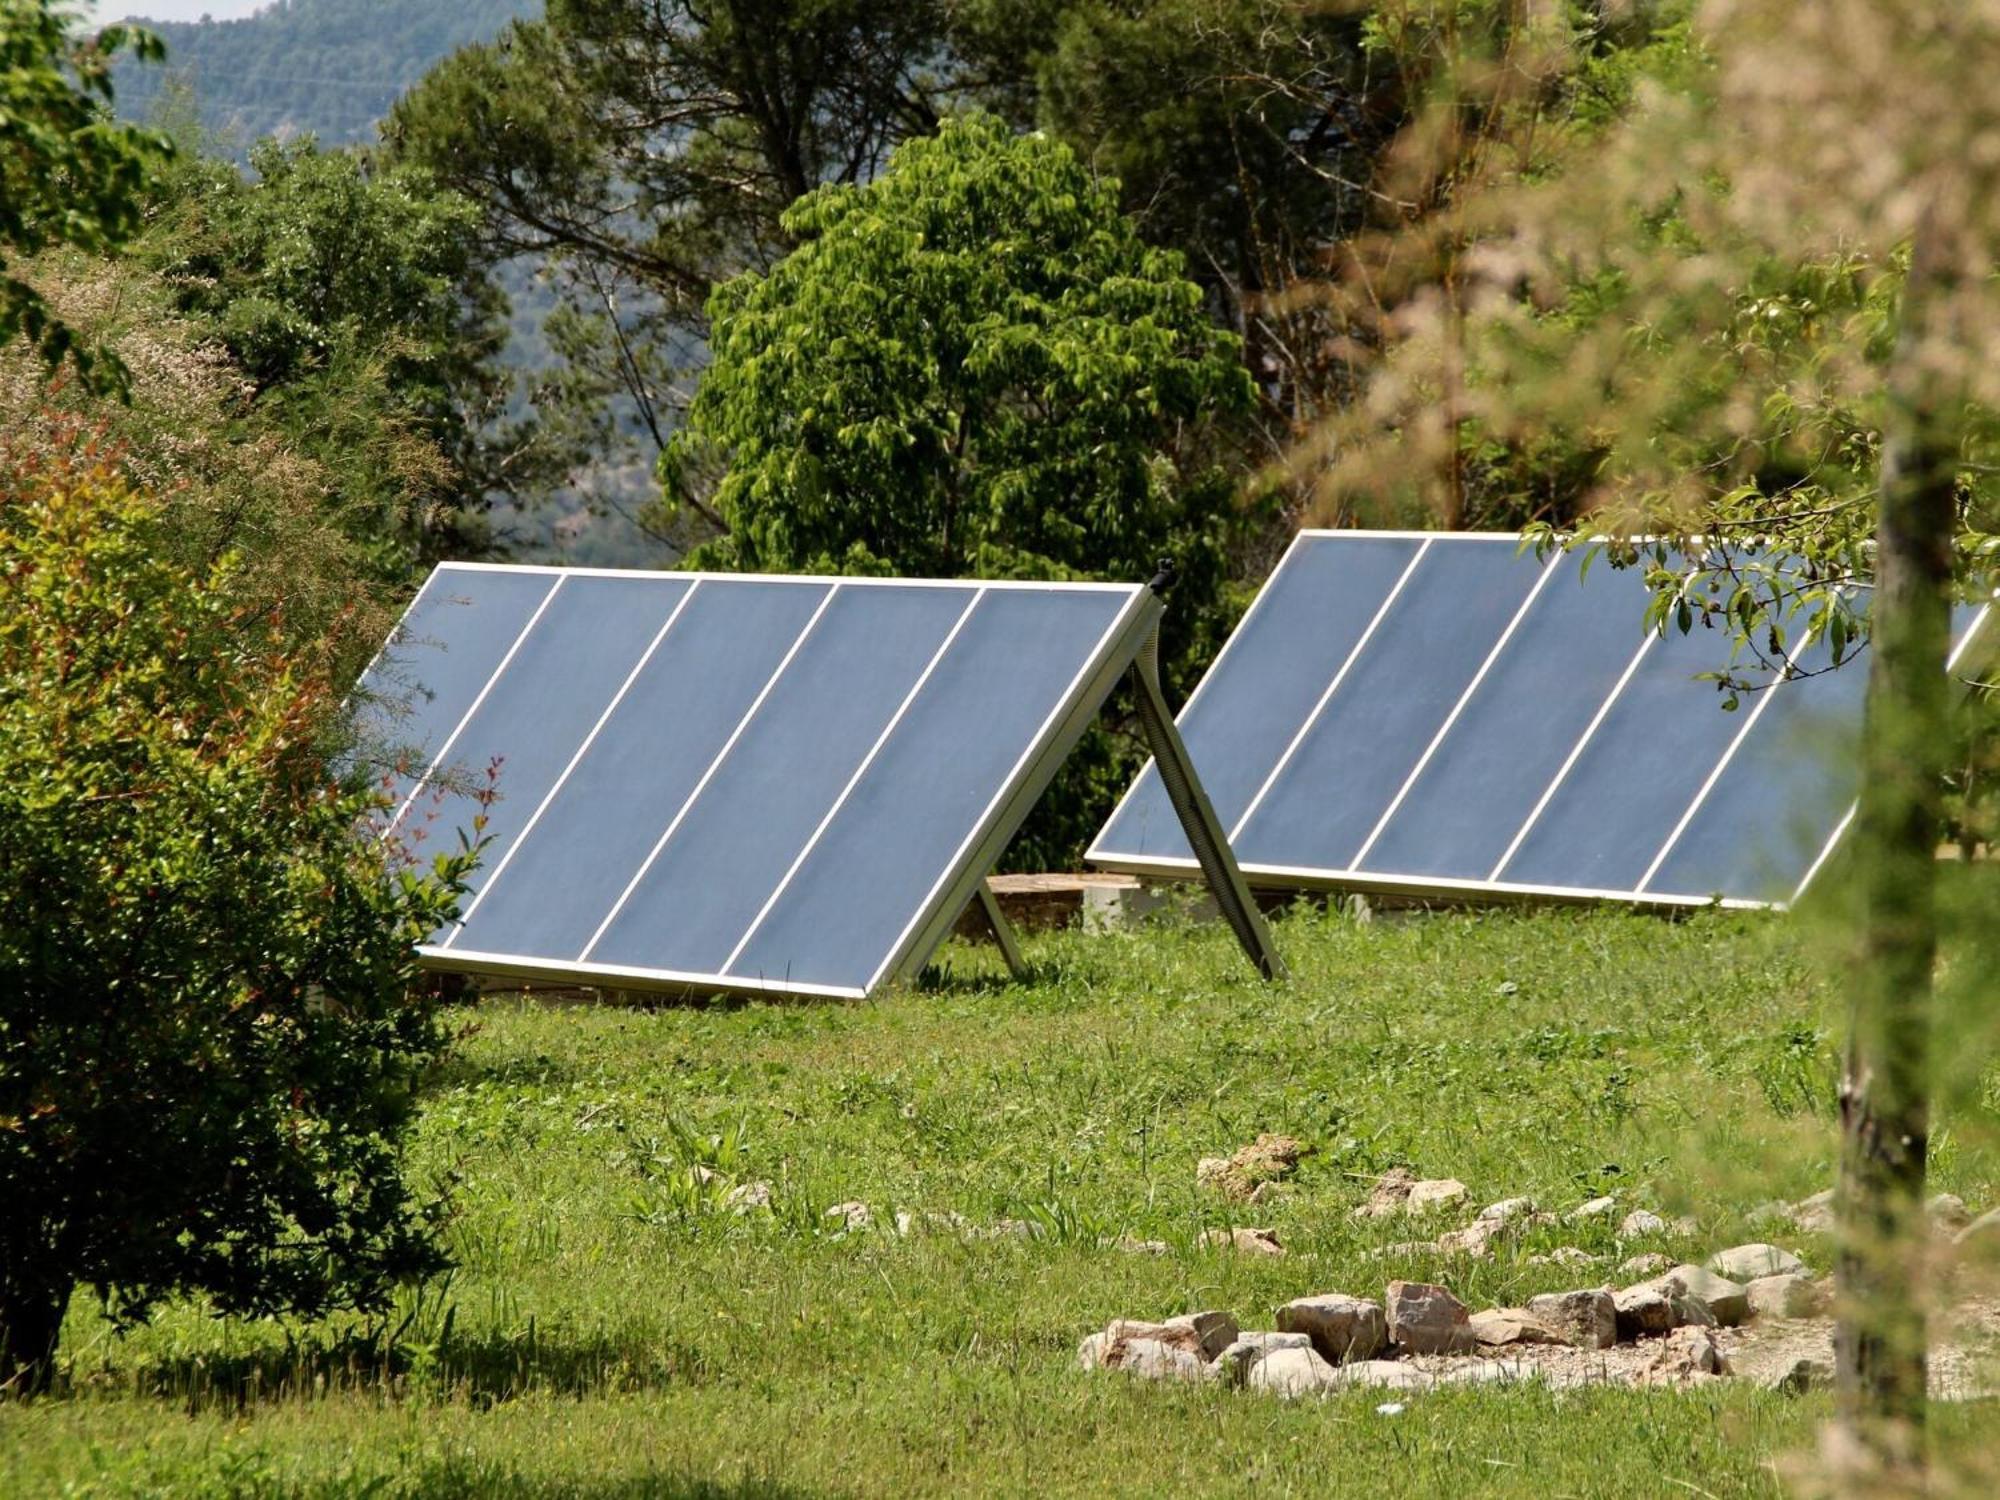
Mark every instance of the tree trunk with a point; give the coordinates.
(1885, 1093)
(31, 1318)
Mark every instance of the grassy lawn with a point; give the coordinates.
(613, 1331)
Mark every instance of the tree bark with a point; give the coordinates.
(1885, 1093)
(31, 1318)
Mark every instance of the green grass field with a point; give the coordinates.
(612, 1330)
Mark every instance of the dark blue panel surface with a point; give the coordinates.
(648, 758)
(1367, 739)
(1258, 694)
(460, 628)
(1518, 726)
(1775, 805)
(714, 875)
(1640, 771)
(539, 711)
(893, 841)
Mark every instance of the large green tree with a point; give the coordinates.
(970, 367)
(69, 174)
(211, 1029)
(351, 295)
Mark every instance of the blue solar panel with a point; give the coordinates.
(718, 782)
(1325, 799)
(451, 641)
(1239, 722)
(1506, 725)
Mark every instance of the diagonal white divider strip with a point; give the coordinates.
(707, 775)
(1021, 762)
(459, 728)
(854, 780)
(1215, 669)
(1333, 686)
(1575, 752)
(1708, 784)
(588, 740)
(1832, 843)
(1451, 718)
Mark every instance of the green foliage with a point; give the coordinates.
(68, 174)
(211, 1031)
(350, 295)
(328, 68)
(971, 367)
(597, 1352)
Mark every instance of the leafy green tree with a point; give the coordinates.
(351, 296)
(211, 1030)
(1245, 134)
(68, 173)
(971, 367)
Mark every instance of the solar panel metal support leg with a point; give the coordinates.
(1003, 931)
(1205, 833)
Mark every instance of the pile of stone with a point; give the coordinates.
(1669, 1329)
(1950, 1219)
(1400, 1194)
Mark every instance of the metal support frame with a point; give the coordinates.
(1003, 930)
(1205, 833)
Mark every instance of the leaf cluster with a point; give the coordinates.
(69, 173)
(211, 1030)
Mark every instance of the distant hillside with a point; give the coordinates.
(328, 67)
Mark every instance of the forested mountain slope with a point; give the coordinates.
(326, 67)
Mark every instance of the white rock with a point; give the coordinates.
(1202, 1334)
(853, 1215)
(1154, 1360)
(1641, 1221)
(1595, 1208)
(1090, 1353)
(1133, 1246)
(1506, 1209)
(1643, 1310)
(1427, 1319)
(1748, 1262)
(1723, 1297)
(1291, 1372)
(1342, 1328)
(1948, 1213)
(1249, 1241)
(747, 1197)
(1384, 1374)
(1235, 1363)
(1498, 1327)
(1685, 1352)
(1789, 1295)
(1475, 1240)
(1985, 1227)
(1587, 1319)
(1390, 1195)
(1433, 1193)
(1814, 1214)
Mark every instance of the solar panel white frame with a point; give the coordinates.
(1130, 624)
(1355, 875)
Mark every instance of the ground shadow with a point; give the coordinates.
(484, 1369)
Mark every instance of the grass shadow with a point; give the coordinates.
(483, 1369)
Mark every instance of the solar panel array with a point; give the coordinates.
(1437, 712)
(732, 782)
